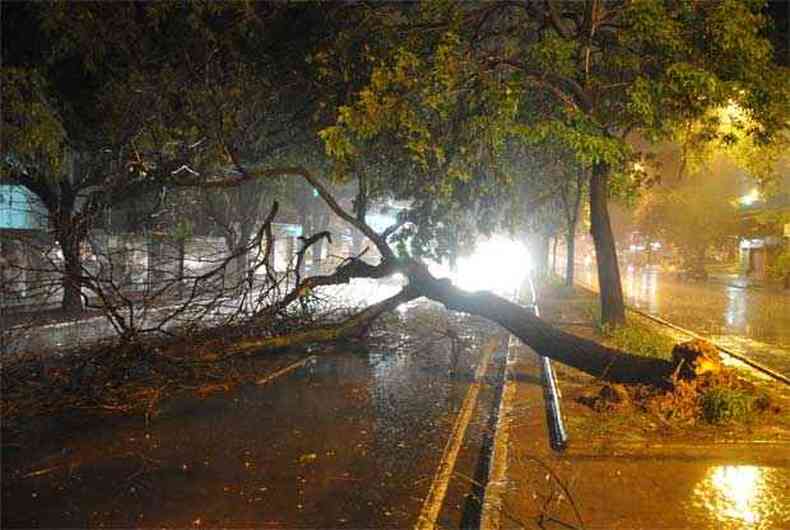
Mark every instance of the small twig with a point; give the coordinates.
(562, 485)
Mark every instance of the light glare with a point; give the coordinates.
(499, 264)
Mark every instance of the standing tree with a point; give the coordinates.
(585, 74)
(693, 216)
(105, 103)
(571, 193)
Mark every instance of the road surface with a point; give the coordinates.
(393, 437)
(751, 321)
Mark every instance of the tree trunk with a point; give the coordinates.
(570, 255)
(70, 237)
(72, 270)
(555, 241)
(585, 355)
(611, 291)
(540, 251)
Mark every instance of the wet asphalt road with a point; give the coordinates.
(751, 321)
(350, 440)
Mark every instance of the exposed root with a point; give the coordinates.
(710, 397)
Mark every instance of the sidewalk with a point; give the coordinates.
(627, 470)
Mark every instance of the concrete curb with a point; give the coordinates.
(497, 482)
(434, 500)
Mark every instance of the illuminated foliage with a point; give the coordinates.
(694, 217)
(582, 74)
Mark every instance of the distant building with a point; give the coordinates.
(765, 230)
(20, 209)
(23, 221)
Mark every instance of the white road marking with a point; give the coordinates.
(490, 518)
(441, 480)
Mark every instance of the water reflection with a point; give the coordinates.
(713, 307)
(641, 288)
(736, 308)
(739, 494)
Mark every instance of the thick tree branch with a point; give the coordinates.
(307, 243)
(351, 328)
(585, 355)
(564, 88)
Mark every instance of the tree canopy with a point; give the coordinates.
(471, 113)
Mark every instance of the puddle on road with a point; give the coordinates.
(627, 493)
(753, 496)
(350, 440)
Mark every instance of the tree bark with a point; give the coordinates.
(570, 255)
(611, 290)
(555, 241)
(69, 235)
(72, 270)
(585, 355)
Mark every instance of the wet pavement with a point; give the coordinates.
(611, 483)
(357, 439)
(350, 440)
(751, 321)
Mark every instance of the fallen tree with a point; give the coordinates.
(585, 355)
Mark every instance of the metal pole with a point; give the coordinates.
(558, 436)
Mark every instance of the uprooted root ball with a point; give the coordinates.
(714, 398)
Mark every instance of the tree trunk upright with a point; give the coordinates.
(554, 254)
(611, 290)
(70, 245)
(68, 235)
(570, 255)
